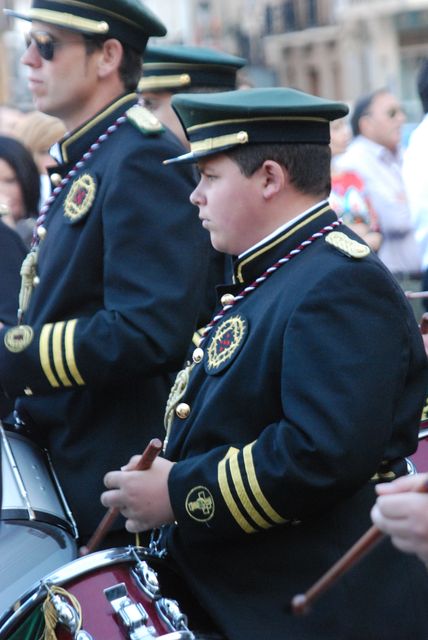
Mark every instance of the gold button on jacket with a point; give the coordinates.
(183, 410)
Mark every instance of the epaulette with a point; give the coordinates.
(144, 120)
(344, 244)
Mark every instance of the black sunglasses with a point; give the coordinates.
(45, 43)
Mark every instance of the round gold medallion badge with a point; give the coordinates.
(18, 338)
(225, 344)
(80, 198)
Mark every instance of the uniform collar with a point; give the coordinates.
(74, 144)
(252, 264)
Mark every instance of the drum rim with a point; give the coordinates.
(63, 574)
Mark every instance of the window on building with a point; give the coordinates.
(311, 13)
(269, 18)
(289, 16)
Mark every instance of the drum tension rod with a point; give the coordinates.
(132, 614)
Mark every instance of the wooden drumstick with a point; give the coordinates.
(414, 295)
(301, 602)
(145, 462)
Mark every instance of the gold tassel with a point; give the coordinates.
(51, 615)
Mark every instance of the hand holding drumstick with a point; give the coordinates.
(401, 511)
(144, 462)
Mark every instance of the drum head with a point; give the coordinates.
(28, 553)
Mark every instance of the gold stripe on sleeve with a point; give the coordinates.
(69, 352)
(44, 354)
(58, 355)
(255, 487)
(243, 495)
(229, 500)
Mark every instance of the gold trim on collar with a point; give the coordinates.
(69, 20)
(163, 82)
(281, 238)
(241, 137)
(214, 123)
(89, 125)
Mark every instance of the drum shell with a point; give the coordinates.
(30, 488)
(86, 579)
(37, 531)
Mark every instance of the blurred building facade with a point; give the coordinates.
(340, 49)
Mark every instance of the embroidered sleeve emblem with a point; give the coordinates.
(200, 504)
(80, 198)
(18, 338)
(225, 343)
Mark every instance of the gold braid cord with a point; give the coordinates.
(177, 392)
(28, 274)
(50, 613)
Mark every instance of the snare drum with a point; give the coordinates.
(108, 595)
(37, 531)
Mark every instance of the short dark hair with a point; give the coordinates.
(131, 65)
(19, 158)
(361, 108)
(308, 165)
(422, 84)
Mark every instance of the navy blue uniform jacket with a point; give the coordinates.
(310, 389)
(121, 272)
(12, 253)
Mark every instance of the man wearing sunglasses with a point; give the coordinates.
(375, 154)
(111, 289)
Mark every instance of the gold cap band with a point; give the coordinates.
(210, 144)
(148, 83)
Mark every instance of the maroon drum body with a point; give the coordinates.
(108, 595)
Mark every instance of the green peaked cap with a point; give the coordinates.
(130, 21)
(215, 122)
(176, 66)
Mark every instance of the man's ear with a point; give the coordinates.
(274, 178)
(110, 58)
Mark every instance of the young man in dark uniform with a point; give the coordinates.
(178, 68)
(169, 69)
(305, 391)
(111, 290)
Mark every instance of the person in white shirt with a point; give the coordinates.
(415, 173)
(375, 155)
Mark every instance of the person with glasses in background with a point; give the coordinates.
(112, 286)
(375, 154)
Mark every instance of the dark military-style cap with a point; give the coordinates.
(129, 21)
(176, 66)
(215, 122)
